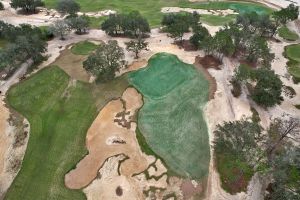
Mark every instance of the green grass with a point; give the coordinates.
(151, 9)
(171, 119)
(95, 22)
(59, 115)
(235, 174)
(3, 43)
(83, 48)
(292, 52)
(216, 20)
(287, 34)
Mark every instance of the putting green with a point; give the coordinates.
(171, 119)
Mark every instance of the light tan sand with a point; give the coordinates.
(4, 140)
(199, 11)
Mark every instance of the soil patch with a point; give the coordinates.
(186, 45)
(209, 61)
(189, 189)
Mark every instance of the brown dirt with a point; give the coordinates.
(186, 45)
(72, 65)
(189, 190)
(102, 129)
(209, 61)
(208, 76)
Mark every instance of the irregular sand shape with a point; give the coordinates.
(4, 143)
(199, 11)
(105, 187)
(103, 128)
(158, 170)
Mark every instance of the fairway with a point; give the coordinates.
(171, 119)
(83, 48)
(287, 34)
(59, 111)
(151, 9)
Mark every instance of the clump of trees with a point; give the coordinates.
(29, 6)
(176, 24)
(285, 15)
(105, 61)
(264, 85)
(274, 154)
(79, 23)
(1, 6)
(24, 42)
(70, 7)
(131, 25)
(60, 28)
(136, 46)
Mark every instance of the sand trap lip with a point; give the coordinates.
(199, 11)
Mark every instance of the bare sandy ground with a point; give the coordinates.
(199, 11)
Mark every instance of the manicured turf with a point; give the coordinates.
(216, 20)
(292, 52)
(151, 9)
(83, 48)
(59, 114)
(172, 118)
(287, 34)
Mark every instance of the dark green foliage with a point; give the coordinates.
(79, 23)
(106, 61)
(200, 34)
(1, 6)
(289, 91)
(24, 42)
(132, 25)
(70, 7)
(27, 5)
(284, 15)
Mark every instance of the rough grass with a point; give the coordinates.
(57, 136)
(292, 52)
(151, 9)
(59, 115)
(287, 34)
(235, 174)
(172, 118)
(3, 43)
(83, 48)
(216, 20)
(95, 22)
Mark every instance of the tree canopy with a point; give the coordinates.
(131, 25)
(79, 23)
(28, 5)
(105, 61)
(70, 7)
(60, 28)
(136, 46)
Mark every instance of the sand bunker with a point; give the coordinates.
(199, 11)
(103, 128)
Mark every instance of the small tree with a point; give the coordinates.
(1, 6)
(70, 7)
(79, 24)
(200, 34)
(136, 46)
(106, 61)
(286, 14)
(27, 5)
(60, 29)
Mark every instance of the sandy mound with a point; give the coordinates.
(102, 129)
(199, 11)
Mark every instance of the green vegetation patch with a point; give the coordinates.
(95, 22)
(60, 111)
(287, 34)
(83, 48)
(217, 20)
(292, 52)
(151, 9)
(3, 43)
(172, 116)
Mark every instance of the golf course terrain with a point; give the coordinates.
(171, 119)
(293, 54)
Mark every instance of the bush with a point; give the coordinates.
(1, 6)
(237, 89)
(70, 7)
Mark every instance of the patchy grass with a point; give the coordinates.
(83, 48)
(57, 136)
(172, 124)
(151, 9)
(292, 52)
(95, 22)
(287, 34)
(235, 174)
(216, 20)
(3, 43)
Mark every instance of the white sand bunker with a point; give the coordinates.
(199, 11)
(99, 13)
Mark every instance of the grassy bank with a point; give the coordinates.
(292, 52)
(151, 9)
(287, 34)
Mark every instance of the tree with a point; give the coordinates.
(60, 28)
(136, 46)
(27, 5)
(106, 61)
(70, 7)
(177, 29)
(1, 6)
(268, 88)
(79, 23)
(113, 24)
(286, 14)
(200, 34)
